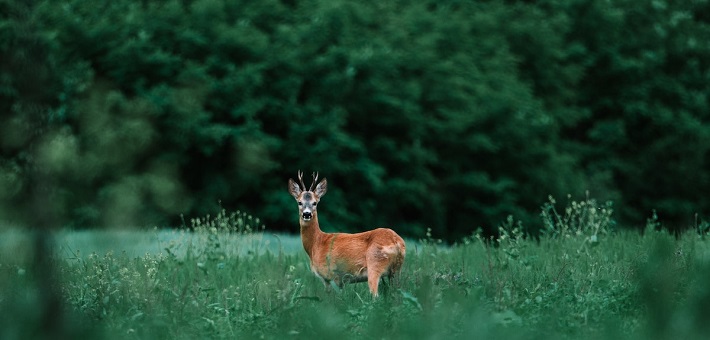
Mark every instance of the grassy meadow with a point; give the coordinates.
(227, 277)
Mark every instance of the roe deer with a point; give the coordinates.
(340, 257)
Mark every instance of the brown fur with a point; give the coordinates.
(345, 258)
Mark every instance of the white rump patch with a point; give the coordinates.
(391, 249)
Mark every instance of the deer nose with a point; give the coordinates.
(307, 215)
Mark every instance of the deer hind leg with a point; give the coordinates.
(392, 276)
(395, 274)
(378, 263)
(387, 259)
(396, 262)
(374, 273)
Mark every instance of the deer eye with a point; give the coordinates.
(315, 203)
(300, 203)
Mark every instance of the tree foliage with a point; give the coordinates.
(438, 114)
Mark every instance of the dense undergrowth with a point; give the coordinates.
(579, 279)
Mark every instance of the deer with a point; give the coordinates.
(340, 258)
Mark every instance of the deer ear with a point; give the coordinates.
(321, 188)
(294, 189)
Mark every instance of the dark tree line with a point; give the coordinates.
(447, 115)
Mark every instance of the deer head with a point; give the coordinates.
(307, 199)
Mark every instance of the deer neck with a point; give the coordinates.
(310, 233)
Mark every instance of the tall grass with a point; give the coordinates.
(580, 279)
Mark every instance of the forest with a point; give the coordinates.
(430, 117)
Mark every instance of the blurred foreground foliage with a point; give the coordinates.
(433, 114)
(223, 278)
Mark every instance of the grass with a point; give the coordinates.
(228, 278)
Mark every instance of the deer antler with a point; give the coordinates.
(315, 179)
(300, 179)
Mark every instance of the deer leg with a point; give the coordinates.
(377, 263)
(394, 273)
(394, 277)
(373, 279)
(386, 284)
